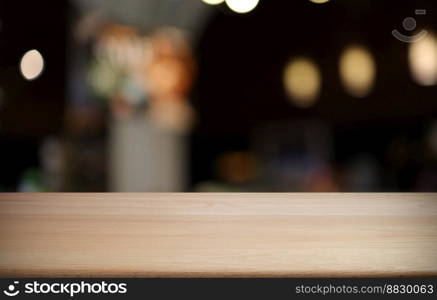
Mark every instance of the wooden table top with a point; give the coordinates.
(218, 235)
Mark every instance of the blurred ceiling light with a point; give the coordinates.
(32, 64)
(302, 81)
(319, 1)
(357, 71)
(242, 6)
(423, 60)
(213, 2)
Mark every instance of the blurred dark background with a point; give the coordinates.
(174, 95)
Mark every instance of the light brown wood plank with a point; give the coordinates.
(205, 235)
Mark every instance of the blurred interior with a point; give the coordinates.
(218, 96)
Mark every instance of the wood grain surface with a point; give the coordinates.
(218, 235)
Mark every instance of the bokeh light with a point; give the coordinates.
(319, 1)
(302, 81)
(32, 64)
(237, 167)
(357, 71)
(242, 6)
(213, 2)
(423, 60)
